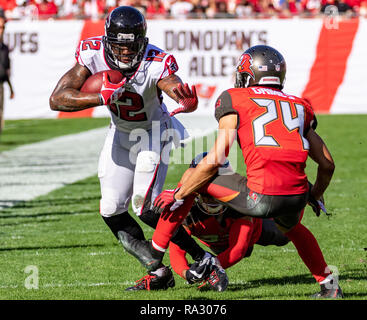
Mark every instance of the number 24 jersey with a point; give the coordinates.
(271, 133)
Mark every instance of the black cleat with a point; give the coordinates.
(153, 282)
(200, 270)
(218, 279)
(329, 290)
(140, 249)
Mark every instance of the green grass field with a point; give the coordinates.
(77, 257)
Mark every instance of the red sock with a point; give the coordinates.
(168, 224)
(309, 251)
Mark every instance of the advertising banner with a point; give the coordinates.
(325, 59)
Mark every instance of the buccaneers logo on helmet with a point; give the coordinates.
(245, 64)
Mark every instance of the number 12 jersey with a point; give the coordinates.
(142, 101)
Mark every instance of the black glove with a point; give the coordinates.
(316, 205)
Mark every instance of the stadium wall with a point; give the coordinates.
(326, 59)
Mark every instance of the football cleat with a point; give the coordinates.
(329, 290)
(154, 282)
(211, 272)
(140, 249)
(200, 270)
(218, 279)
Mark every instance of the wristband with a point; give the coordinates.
(176, 190)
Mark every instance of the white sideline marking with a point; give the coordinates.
(38, 168)
(70, 285)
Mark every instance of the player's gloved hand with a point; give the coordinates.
(111, 92)
(316, 205)
(166, 199)
(188, 99)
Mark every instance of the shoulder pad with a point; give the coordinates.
(161, 63)
(155, 54)
(88, 48)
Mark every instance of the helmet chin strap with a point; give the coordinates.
(127, 66)
(121, 65)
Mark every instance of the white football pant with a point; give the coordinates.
(133, 166)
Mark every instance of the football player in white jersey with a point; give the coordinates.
(130, 171)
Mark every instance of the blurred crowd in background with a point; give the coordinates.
(183, 9)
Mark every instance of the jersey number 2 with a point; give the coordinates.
(290, 122)
(128, 106)
(91, 44)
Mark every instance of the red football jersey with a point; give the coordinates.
(215, 234)
(271, 133)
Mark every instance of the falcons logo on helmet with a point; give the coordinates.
(245, 65)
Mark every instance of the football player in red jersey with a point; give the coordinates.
(129, 170)
(229, 234)
(276, 132)
(225, 233)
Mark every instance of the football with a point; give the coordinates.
(93, 84)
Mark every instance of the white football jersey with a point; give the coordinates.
(142, 101)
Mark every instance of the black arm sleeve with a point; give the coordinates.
(314, 123)
(223, 105)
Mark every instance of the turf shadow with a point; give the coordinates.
(286, 280)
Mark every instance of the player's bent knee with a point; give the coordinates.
(146, 161)
(145, 170)
(110, 207)
(138, 201)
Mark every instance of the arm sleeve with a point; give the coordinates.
(239, 240)
(7, 60)
(78, 58)
(310, 117)
(223, 105)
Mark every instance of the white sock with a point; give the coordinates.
(328, 279)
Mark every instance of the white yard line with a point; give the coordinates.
(36, 169)
(72, 285)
